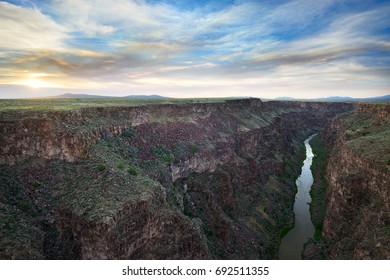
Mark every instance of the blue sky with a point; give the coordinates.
(302, 48)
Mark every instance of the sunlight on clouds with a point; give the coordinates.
(259, 48)
(45, 80)
(101, 17)
(35, 83)
(35, 80)
(28, 29)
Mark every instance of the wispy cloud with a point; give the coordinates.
(236, 48)
(28, 29)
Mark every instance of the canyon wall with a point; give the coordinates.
(357, 219)
(154, 182)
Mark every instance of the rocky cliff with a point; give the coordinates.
(154, 182)
(357, 220)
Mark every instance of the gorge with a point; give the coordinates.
(291, 246)
(191, 181)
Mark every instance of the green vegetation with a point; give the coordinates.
(162, 152)
(368, 133)
(36, 184)
(183, 149)
(295, 161)
(121, 165)
(285, 230)
(23, 204)
(318, 190)
(194, 148)
(129, 133)
(101, 167)
(132, 171)
(55, 104)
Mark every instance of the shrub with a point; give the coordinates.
(148, 164)
(23, 204)
(388, 162)
(121, 165)
(36, 184)
(163, 153)
(101, 167)
(132, 171)
(194, 148)
(128, 133)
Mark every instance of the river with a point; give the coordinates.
(292, 244)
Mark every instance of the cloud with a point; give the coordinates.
(299, 13)
(28, 29)
(253, 46)
(350, 37)
(101, 18)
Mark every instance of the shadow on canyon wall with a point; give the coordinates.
(198, 181)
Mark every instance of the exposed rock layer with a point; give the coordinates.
(357, 221)
(214, 180)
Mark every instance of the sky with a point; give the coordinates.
(183, 48)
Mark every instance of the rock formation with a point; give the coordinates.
(191, 181)
(357, 220)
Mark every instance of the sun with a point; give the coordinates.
(35, 80)
(35, 83)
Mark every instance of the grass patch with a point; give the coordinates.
(63, 104)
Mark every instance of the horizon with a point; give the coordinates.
(157, 96)
(205, 49)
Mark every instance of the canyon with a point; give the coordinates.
(191, 181)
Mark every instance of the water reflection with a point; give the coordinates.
(292, 244)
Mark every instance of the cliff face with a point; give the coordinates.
(68, 134)
(160, 181)
(357, 220)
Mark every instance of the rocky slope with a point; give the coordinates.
(154, 182)
(357, 220)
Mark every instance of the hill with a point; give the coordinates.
(72, 95)
(385, 98)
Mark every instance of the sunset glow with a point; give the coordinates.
(34, 83)
(298, 48)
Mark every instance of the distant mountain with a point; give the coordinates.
(284, 98)
(144, 96)
(72, 95)
(337, 99)
(385, 98)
